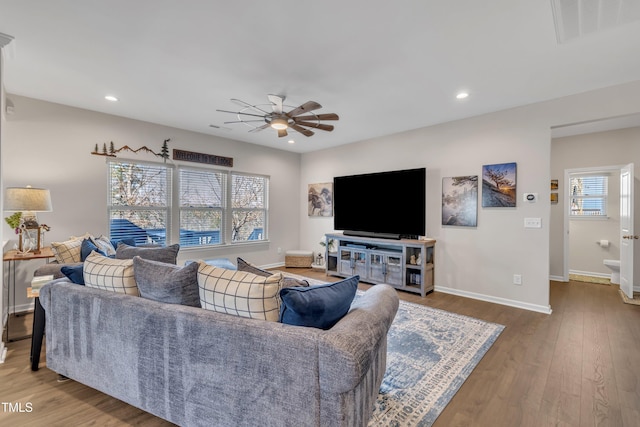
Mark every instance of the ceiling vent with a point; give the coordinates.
(576, 18)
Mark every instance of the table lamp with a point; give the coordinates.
(28, 200)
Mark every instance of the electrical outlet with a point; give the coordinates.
(279, 250)
(517, 279)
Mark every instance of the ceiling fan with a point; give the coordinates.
(299, 118)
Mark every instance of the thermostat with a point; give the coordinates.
(530, 197)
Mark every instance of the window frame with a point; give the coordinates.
(264, 208)
(167, 207)
(582, 197)
(174, 209)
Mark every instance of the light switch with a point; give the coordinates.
(533, 223)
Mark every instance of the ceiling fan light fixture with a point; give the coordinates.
(279, 123)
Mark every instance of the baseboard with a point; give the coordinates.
(22, 308)
(496, 300)
(557, 279)
(590, 274)
(275, 265)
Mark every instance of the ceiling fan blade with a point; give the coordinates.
(305, 132)
(321, 126)
(277, 101)
(282, 132)
(240, 112)
(304, 108)
(264, 126)
(243, 121)
(246, 104)
(327, 116)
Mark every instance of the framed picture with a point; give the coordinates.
(554, 184)
(554, 198)
(499, 185)
(460, 201)
(321, 199)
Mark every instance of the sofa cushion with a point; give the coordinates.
(286, 281)
(73, 273)
(167, 254)
(109, 274)
(167, 283)
(319, 306)
(239, 293)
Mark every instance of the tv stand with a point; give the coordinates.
(405, 264)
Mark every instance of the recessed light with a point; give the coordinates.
(111, 98)
(462, 95)
(291, 141)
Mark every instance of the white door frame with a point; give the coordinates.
(566, 204)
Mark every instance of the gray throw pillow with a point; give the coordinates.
(168, 254)
(167, 283)
(287, 282)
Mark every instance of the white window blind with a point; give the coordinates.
(249, 207)
(588, 195)
(139, 204)
(202, 203)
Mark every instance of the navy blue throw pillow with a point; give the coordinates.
(130, 242)
(73, 273)
(319, 306)
(87, 247)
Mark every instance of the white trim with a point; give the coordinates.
(590, 274)
(496, 300)
(557, 279)
(566, 207)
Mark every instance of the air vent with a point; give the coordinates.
(576, 18)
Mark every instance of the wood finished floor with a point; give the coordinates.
(579, 366)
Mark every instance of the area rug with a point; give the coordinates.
(430, 354)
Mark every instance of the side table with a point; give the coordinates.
(37, 333)
(11, 257)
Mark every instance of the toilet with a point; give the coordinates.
(614, 266)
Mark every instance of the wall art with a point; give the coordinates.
(499, 185)
(321, 199)
(460, 201)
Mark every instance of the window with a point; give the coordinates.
(249, 195)
(213, 207)
(588, 195)
(202, 203)
(139, 202)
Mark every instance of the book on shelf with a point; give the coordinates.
(39, 281)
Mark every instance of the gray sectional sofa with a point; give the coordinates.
(195, 367)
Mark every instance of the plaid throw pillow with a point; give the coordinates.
(67, 251)
(108, 274)
(239, 293)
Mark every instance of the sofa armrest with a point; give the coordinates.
(53, 268)
(352, 344)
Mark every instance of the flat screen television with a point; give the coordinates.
(384, 204)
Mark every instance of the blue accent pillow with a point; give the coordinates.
(87, 247)
(73, 273)
(130, 242)
(319, 306)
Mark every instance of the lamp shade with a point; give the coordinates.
(27, 199)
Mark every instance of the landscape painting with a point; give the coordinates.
(499, 185)
(460, 201)
(321, 199)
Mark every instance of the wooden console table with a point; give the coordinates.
(11, 257)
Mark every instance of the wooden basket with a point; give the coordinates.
(298, 259)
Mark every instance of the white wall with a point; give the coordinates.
(48, 145)
(601, 149)
(478, 262)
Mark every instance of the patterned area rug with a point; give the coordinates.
(430, 354)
